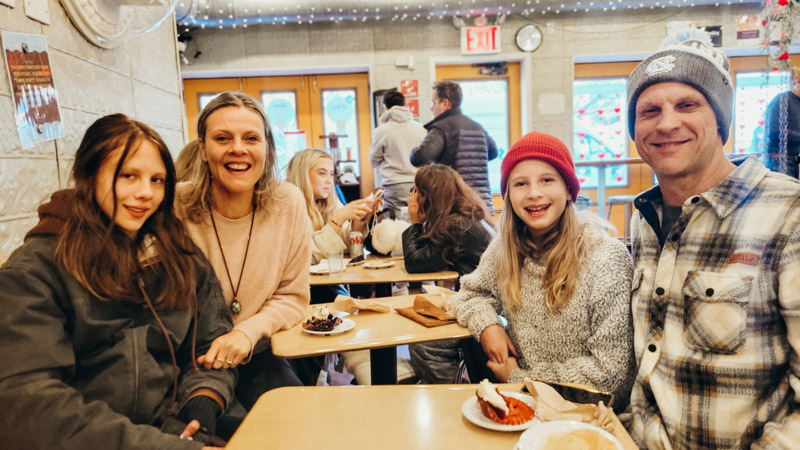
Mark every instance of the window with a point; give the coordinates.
(599, 108)
(339, 114)
(754, 91)
(486, 102)
(281, 109)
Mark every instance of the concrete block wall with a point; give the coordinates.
(306, 48)
(140, 79)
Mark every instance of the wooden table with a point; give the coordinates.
(601, 177)
(380, 333)
(364, 417)
(382, 278)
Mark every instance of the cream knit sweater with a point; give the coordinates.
(274, 290)
(589, 340)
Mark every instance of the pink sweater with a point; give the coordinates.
(274, 291)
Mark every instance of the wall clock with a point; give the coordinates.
(529, 38)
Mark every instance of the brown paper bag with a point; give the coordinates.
(426, 313)
(549, 406)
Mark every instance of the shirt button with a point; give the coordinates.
(660, 291)
(709, 292)
(651, 347)
(675, 237)
(695, 199)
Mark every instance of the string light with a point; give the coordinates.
(429, 9)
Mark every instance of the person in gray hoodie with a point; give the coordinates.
(391, 148)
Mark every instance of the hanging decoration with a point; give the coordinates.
(780, 19)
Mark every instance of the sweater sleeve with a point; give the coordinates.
(287, 305)
(477, 305)
(41, 410)
(376, 150)
(610, 365)
(325, 240)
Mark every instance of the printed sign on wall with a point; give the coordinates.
(409, 88)
(34, 94)
(413, 106)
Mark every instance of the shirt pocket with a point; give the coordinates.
(715, 310)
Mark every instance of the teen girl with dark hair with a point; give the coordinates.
(107, 305)
(449, 231)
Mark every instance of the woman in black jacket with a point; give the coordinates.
(449, 231)
(449, 228)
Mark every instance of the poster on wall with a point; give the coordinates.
(34, 95)
(409, 88)
(413, 106)
(748, 30)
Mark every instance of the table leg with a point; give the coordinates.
(383, 365)
(383, 289)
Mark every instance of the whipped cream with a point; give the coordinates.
(488, 392)
(320, 312)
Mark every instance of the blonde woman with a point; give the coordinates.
(562, 283)
(252, 228)
(312, 171)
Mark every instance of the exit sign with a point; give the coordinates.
(480, 40)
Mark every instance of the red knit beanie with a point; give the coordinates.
(545, 148)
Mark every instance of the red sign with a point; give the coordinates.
(480, 40)
(409, 88)
(413, 106)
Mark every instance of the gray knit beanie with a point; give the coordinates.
(692, 62)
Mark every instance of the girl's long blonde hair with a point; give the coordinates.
(564, 246)
(319, 211)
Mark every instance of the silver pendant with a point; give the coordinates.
(236, 306)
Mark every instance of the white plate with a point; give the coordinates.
(346, 325)
(378, 264)
(472, 411)
(536, 436)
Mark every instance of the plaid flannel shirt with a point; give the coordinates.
(716, 310)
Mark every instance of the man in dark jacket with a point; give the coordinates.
(456, 140)
(783, 129)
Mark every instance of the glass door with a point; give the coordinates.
(494, 102)
(285, 100)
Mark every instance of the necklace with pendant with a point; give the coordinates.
(235, 305)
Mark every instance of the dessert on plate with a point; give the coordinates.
(321, 319)
(500, 408)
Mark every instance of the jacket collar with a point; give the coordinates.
(724, 197)
(449, 113)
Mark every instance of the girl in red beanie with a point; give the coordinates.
(559, 279)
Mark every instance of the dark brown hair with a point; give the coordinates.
(447, 207)
(104, 259)
(450, 91)
(394, 98)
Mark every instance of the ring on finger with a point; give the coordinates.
(229, 361)
(222, 360)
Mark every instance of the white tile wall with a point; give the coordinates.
(140, 79)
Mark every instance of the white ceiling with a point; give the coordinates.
(231, 13)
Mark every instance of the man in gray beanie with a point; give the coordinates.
(716, 290)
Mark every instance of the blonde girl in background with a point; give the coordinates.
(312, 171)
(562, 282)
